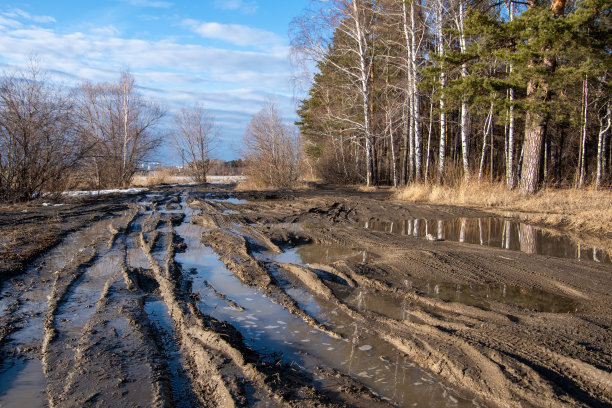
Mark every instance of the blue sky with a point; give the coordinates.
(229, 56)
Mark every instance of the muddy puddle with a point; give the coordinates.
(277, 334)
(230, 200)
(479, 296)
(22, 384)
(163, 325)
(318, 253)
(493, 232)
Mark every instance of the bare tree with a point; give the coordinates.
(38, 144)
(122, 126)
(272, 149)
(194, 138)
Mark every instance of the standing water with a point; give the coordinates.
(275, 333)
(493, 232)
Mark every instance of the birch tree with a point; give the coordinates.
(195, 134)
(351, 23)
(121, 125)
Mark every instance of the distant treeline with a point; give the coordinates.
(227, 168)
(448, 90)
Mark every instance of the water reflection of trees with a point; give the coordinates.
(527, 239)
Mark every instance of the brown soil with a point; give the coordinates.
(103, 295)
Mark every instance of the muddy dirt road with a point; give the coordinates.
(202, 296)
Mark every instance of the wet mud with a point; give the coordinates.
(202, 296)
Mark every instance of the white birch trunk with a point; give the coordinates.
(584, 132)
(485, 134)
(604, 127)
(510, 179)
(464, 108)
(365, 68)
(442, 154)
(416, 103)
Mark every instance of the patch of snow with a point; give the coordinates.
(93, 193)
(224, 179)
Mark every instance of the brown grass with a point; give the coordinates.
(159, 177)
(251, 184)
(577, 210)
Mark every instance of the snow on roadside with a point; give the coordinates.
(93, 193)
(224, 179)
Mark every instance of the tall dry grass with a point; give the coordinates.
(579, 210)
(159, 177)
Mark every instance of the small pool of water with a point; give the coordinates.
(231, 200)
(480, 295)
(318, 253)
(22, 384)
(493, 232)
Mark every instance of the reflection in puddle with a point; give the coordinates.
(163, 325)
(275, 333)
(22, 384)
(231, 200)
(493, 232)
(394, 307)
(318, 253)
(477, 295)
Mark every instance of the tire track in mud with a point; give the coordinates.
(121, 322)
(503, 368)
(234, 250)
(89, 338)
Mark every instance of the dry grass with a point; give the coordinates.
(156, 178)
(580, 211)
(250, 184)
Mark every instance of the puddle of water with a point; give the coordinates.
(274, 332)
(391, 306)
(182, 392)
(79, 305)
(318, 253)
(231, 200)
(22, 384)
(478, 295)
(38, 282)
(493, 232)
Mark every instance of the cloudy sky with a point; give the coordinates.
(229, 55)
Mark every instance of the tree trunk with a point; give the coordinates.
(485, 134)
(605, 124)
(416, 102)
(584, 132)
(365, 93)
(442, 154)
(429, 140)
(510, 148)
(464, 109)
(535, 121)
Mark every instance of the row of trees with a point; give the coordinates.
(416, 90)
(55, 137)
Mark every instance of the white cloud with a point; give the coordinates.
(247, 7)
(16, 13)
(235, 34)
(150, 3)
(233, 83)
(106, 31)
